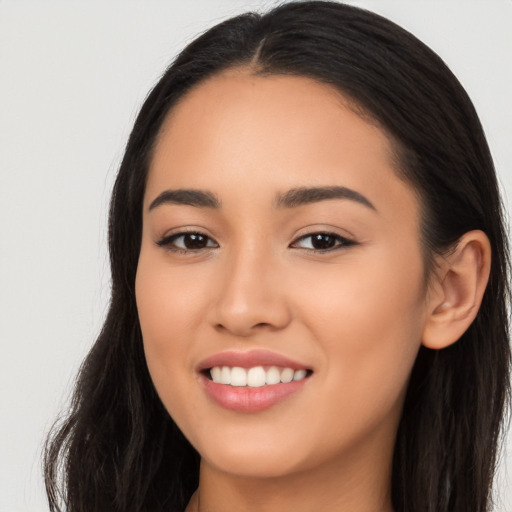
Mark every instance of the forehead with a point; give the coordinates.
(238, 104)
(241, 131)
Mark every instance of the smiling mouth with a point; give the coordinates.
(256, 376)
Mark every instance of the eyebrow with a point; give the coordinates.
(306, 195)
(190, 197)
(292, 198)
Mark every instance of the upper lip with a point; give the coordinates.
(249, 359)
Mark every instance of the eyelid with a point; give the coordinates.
(344, 241)
(166, 241)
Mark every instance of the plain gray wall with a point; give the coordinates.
(72, 77)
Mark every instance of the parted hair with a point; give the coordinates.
(117, 449)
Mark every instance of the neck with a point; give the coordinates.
(362, 485)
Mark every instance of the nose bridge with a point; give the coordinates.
(251, 294)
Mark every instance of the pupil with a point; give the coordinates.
(194, 241)
(322, 241)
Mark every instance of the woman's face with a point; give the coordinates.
(302, 260)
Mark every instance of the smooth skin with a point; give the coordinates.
(356, 313)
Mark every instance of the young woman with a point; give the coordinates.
(309, 284)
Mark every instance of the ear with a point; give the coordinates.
(456, 291)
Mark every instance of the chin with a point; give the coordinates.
(253, 459)
(251, 465)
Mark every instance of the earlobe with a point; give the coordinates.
(458, 291)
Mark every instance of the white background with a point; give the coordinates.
(72, 77)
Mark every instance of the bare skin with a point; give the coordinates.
(354, 312)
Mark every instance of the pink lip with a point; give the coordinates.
(249, 359)
(247, 399)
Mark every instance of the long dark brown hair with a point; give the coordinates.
(119, 450)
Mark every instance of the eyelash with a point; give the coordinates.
(167, 242)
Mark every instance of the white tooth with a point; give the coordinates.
(286, 375)
(273, 375)
(238, 376)
(299, 374)
(256, 377)
(215, 373)
(225, 375)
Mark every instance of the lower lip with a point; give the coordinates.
(246, 399)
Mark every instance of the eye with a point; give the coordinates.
(322, 242)
(186, 242)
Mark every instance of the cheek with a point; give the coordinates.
(379, 292)
(172, 303)
(169, 304)
(368, 317)
(167, 318)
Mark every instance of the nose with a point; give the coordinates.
(252, 296)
